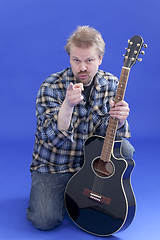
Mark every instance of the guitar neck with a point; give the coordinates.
(113, 122)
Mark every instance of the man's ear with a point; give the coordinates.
(100, 60)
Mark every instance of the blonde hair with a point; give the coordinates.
(85, 36)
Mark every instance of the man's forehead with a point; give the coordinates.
(85, 51)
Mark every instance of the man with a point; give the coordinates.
(71, 106)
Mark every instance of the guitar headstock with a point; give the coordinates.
(135, 45)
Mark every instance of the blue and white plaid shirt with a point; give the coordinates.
(62, 151)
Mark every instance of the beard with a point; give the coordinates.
(84, 77)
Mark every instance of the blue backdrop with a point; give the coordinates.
(32, 38)
(33, 35)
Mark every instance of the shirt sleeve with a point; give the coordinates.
(124, 131)
(48, 104)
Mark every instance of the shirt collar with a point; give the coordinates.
(100, 80)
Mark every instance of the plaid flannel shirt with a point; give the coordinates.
(62, 151)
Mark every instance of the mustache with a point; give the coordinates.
(85, 72)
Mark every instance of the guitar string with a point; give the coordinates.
(97, 185)
(98, 181)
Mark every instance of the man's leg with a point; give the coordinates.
(46, 204)
(127, 148)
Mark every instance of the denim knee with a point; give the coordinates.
(44, 221)
(46, 203)
(127, 148)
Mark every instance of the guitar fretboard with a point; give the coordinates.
(113, 122)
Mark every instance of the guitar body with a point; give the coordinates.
(100, 203)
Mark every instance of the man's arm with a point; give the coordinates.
(73, 97)
(50, 110)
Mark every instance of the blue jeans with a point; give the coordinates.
(46, 204)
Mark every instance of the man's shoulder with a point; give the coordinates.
(107, 80)
(107, 76)
(58, 77)
(55, 84)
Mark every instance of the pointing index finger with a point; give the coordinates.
(71, 86)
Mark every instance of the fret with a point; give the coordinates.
(124, 76)
(113, 122)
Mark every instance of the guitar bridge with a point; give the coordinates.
(96, 197)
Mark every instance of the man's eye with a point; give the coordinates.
(90, 60)
(76, 60)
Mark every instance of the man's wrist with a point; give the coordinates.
(121, 124)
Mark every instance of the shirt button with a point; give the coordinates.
(84, 130)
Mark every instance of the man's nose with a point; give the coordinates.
(83, 67)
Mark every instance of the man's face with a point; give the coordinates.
(84, 63)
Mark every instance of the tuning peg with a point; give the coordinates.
(145, 45)
(139, 59)
(126, 57)
(142, 52)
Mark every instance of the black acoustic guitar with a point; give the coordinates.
(99, 198)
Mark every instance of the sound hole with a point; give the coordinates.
(103, 169)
